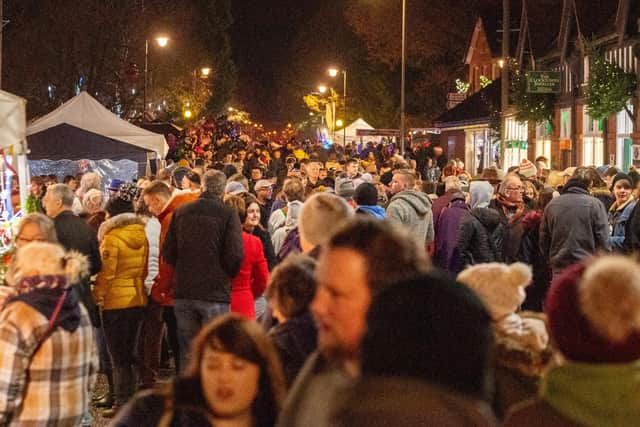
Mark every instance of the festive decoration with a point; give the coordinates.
(462, 87)
(530, 107)
(208, 136)
(610, 87)
(485, 81)
(7, 244)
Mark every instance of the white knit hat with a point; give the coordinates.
(500, 286)
(527, 169)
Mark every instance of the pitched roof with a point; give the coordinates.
(474, 110)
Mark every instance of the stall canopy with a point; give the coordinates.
(82, 128)
(13, 124)
(12, 119)
(351, 132)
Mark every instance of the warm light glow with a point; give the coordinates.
(339, 123)
(501, 63)
(162, 41)
(322, 88)
(333, 72)
(187, 114)
(230, 109)
(205, 71)
(288, 125)
(311, 113)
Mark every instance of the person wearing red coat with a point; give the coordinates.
(251, 281)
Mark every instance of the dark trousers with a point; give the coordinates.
(155, 318)
(121, 330)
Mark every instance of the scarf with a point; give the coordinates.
(594, 394)
(512, 210)
(43, 293)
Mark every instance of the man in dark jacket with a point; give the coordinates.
(204, 244)
(74, 234)
(574, 226)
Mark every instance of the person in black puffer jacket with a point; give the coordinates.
(481, 231)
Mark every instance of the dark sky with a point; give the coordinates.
(262, 36)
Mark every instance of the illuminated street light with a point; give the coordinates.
(339, 123)
(333, 72)
(322, 88)
(187, 114)
(501, 63)
(230, 109)
(205, 71)
(162, 42)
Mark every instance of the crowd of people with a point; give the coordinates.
(299, 285)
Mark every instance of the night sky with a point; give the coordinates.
(262, 38)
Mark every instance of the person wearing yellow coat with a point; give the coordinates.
(119, 289)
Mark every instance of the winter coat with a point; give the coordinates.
(75, 234)
(413, 210)
(182, 404)
(440, 203)
(530, 254)
(152, 230)
(574, 226)
(395, 401)
(632, 231)
(267, 245)
(204, 244)
(295, 340)
(480, 237)
(124, 249)
(604, 195)
(251, 280)
(447, 254)
(45, 380)
(513, 233)
(618, 218)
(164, 284)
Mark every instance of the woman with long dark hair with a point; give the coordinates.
(234, 379)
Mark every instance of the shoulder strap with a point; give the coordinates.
(52, 320)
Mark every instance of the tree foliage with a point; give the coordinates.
(609, 89)
(437, 36)
(54, 48)
(534, 107)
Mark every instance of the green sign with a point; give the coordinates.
(544, 82)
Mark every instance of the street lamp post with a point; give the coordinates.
(404, 8)
(334, 72)
(162, 42)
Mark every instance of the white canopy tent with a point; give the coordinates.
(85, 112)
(13, 124)
(351, 133)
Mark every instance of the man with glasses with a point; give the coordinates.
(511, 206)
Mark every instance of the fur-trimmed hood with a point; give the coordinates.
(119, 221)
